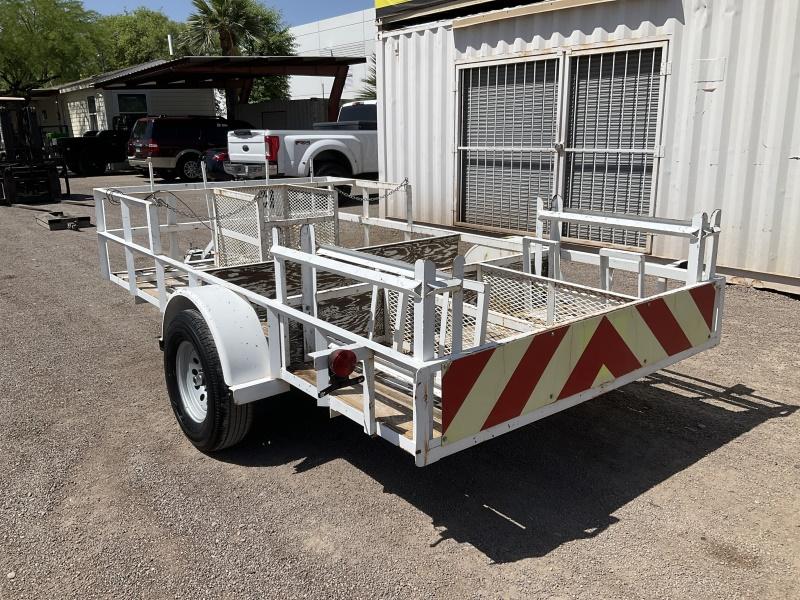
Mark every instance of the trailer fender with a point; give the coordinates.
(242, 347)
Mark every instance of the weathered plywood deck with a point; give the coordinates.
(393, 407)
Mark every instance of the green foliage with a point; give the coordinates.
(47, 42)
(276, 41)
(137, 37)
(369, 85)
(43, 42)
(237, 27)
(222, 26)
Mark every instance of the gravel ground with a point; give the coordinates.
(684, 485)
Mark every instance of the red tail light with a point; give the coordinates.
(150, 148)
(341, 363)
(131, 148)
(221, 156)
(272, 144)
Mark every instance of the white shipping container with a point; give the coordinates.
(719, 78)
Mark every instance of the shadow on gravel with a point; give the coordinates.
(526, 493)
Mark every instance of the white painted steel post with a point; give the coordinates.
(697, 245)
(100, 224)
(605, 272)
(554, 261)
(409, 212)
(365, 214)
(125, 212)
(482, 315)
(526, 255)
(281, 296)
(308, 275)
(457, 311)
(172, 219)
(424, 332)
(154, 231)
(715, 221)
(373, 311)
(274, 341)
(210, 212)
(335, 206)
(382, 209)
(368, 391)
(398, 330)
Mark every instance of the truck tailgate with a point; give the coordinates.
(246, 145)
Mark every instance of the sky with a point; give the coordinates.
(295, 12)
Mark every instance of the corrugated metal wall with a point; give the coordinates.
(731, 129)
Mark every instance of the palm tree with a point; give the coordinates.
(221, 27)
(369, 86)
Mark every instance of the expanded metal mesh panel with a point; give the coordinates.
(494, 331)
(240, 213)
(612, 127)
(236, 228)
(508, 129)
(523, 297)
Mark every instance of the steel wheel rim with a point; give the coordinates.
(191, 382)
(191, 168)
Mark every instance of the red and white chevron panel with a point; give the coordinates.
(493, 386)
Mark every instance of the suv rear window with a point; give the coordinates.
(177, 132)
(216, 132)
(141, 129)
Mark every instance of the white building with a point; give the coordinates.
(654, 107)
(85, 105)
(352, 34)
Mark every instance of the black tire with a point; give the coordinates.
(91, 166)
(188, 168)
(225, 423)
(332, 168)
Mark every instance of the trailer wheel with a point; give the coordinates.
(201, 401)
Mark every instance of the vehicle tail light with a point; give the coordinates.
(150, 148)
(131, 149)
(272, 143)
(221, 156)
(341, 363)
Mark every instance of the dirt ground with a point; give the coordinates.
(683, 485)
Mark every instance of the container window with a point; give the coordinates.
(509, 152)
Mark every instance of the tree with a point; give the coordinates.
(137, 37)
(277, 41)
(369, 85)
(43, 42)
(229, 27)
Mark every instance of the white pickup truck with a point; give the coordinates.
(345, 148)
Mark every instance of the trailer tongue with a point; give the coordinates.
(406, 338)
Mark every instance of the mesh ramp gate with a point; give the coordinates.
(244, 218)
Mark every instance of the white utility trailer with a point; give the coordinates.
(410, 339)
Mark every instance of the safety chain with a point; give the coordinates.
(400, 186)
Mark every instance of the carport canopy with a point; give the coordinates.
(236, 72)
